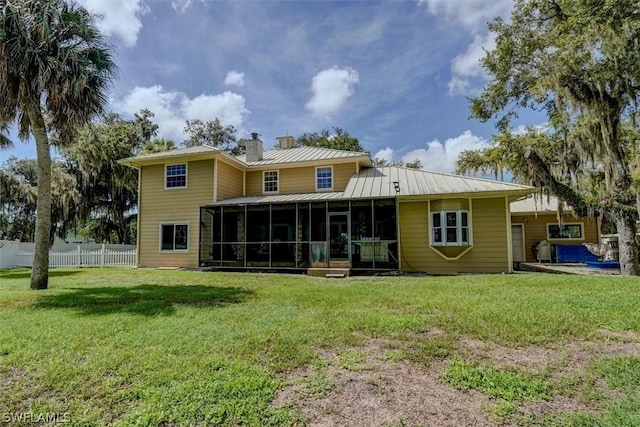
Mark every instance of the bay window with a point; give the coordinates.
(450, 228)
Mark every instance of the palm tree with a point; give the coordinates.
(53, 63)
(5, 142)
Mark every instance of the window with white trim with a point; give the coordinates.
(450, 228)
(174, 237)
(270, 180)
(175, 176)
(324, 178)
(566, 231)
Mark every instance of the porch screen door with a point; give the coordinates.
(339, 237)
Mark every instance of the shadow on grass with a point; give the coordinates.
(147, 300)
(25, 274)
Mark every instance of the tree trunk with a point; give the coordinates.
(625, 222)
(627, 244)
(40, 269)
(625, 219)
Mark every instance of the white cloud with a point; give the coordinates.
(472, 16)
(180, 6)
(438, 156)
(331, 89)
(442, 157)
(540, 127)
(172, 108)
(460, 86)
(385, 154)
(371, 31)
(468, 63)
(234, 78)
(466, 66)
(120, 18)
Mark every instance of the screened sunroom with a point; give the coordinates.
(358, 234)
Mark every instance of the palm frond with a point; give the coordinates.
(51, 52)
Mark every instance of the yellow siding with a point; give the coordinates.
(300, 180)
(297, 180)
(489, 231)
(229, 181)
(535, 230)
(450, 204)
(254, 183)
(157, 205)
(341, 175)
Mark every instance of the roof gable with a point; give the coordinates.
(203, 151)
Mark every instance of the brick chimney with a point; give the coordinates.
(253, 146)
(286, 142)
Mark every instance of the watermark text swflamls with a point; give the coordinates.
(34, 417)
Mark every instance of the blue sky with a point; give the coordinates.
(395, 74)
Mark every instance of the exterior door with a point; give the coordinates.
(517, 243)
(339, 237)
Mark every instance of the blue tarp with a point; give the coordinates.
(574, 253)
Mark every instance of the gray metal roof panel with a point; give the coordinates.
(537, 204)
(378, 182)
(300, 154)
(281, 198)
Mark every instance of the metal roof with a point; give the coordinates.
(181, 152)
(301, 154)
(281, 198)
(269, 157)
(379, 182)
(537, 204)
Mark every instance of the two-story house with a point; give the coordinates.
(297, 208)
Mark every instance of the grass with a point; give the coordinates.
(146, 347)
(509, 385)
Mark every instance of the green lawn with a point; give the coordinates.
(146, 347)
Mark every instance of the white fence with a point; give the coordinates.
(8, 252)
(20, 254)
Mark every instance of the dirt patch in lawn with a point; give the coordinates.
(370, 386)
(376, 392)
(10, 377)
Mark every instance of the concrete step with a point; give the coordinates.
(329, 272)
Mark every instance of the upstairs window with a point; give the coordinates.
(450, 228)
(174, 237)
(567, 231)
(324, 178)
(270, 179)
(175, 176)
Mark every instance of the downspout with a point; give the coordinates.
(509, 237)
(200, 236)
(215, 179)
(398, 234)
(138, 222)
